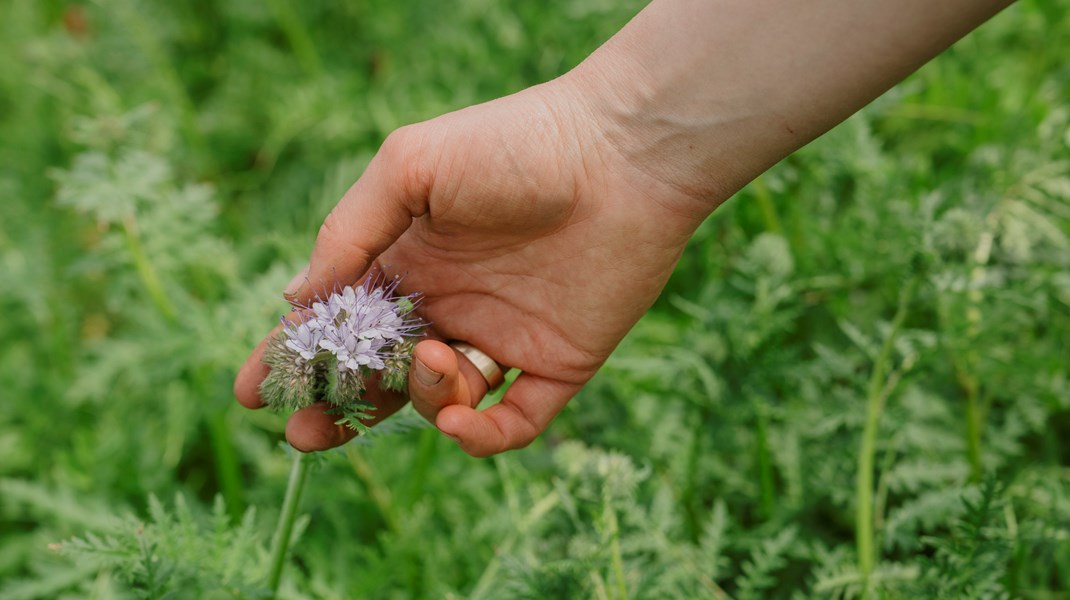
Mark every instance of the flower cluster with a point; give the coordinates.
(334, 345)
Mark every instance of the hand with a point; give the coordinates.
(529, 236)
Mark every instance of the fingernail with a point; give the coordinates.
(425, 374)
(295, 284)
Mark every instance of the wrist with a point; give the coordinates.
(618, 127)
(647, 107)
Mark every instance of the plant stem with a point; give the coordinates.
(280, 542)
(614, 544)
(765, 461)
(298, 37)
(874, 406)
(764, 199)
(966, 366)
(379, 493)
(226, 463)
(425, 455)
(689, 495)
(973, 423)
(146, 272)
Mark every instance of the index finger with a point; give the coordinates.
(525, 411)
(371, 216)
(252, 372)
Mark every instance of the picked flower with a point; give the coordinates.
(337, 343)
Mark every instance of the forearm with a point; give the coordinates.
(704, 95)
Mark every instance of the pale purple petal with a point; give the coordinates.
(358, 325)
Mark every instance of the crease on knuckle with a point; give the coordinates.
(404, 155)
(526, 434)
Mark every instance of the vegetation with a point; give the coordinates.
(856, 383)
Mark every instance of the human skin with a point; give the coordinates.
(540, 227)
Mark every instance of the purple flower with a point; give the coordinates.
(340, 339)
(303, 339)
(352, 350)
(359, 326)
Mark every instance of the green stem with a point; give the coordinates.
(146, 272)
(874, 406)
(425, 455)
(973, 423)
(226, 463)
(689, 495)
(614, 544)
(226, 460)
(770, 218)
(280, 543)
(298, 37)
(881, 499)
(765, 462)
(962, 363)
(379, 493)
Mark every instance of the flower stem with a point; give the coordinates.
(280, 543)
(875, 397)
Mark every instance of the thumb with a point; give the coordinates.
(371, 216)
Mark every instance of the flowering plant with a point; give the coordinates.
(337, 343)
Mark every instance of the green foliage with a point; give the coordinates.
(354, 414)
(179, 554)
(167, 166)
(969, 562)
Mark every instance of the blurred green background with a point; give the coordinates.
(165, 167)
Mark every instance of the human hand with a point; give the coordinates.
(530, 237)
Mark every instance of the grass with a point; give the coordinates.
(787, 421)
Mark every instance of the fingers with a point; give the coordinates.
(445, 389)
(313, 429)
(375, 211)
(529, 405)
(251, 373)
(441, 377)
(253, 370)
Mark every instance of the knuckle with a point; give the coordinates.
(523, 440)
(525, 429)
(332, 229)
(406, 158)
(396, 149)
(331, 225)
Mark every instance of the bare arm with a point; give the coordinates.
(707, 94)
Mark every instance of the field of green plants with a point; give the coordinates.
(857, 383)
